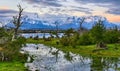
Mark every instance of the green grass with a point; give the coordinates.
(82, 50)
(12, 66)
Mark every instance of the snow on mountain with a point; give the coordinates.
(34, 21)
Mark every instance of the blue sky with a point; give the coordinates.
(107, 8)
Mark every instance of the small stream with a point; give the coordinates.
(45, 58)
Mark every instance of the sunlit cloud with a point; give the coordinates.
(113, 18)
(4, 7)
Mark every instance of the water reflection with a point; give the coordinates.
(40, 35)
(51, 59)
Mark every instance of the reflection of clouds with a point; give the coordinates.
(49, 58)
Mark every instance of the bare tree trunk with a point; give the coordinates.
(17, 22)
(3, 57)
(80, 27)
(13, 37)
(57, 29)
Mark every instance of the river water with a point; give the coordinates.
(45, 58)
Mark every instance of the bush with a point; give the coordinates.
(3, 32)
(112, 36)
(36, 38)
(69, 32)
(85, 39)
(65, 41)
(97, 32)
(47, 39)
(11, 50)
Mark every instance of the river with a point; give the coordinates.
(45, 58)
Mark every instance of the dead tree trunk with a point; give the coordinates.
(3, 57)
(57, 28)
(81, 22)
(17, 21)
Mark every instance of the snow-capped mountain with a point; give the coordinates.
(35, 21)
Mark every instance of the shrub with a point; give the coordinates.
(11, 50)
(3, 33)
(36, 38)
(97, 32)
(65, 41)
(112, 36)
(85, 39)
(47, 39)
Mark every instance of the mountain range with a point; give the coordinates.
(37, 22)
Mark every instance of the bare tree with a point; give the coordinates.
(56, 28)
(81, 22)
(17, 21)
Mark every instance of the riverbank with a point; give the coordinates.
(88, 50)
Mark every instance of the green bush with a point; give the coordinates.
(112, 36)
(65, 41)
(12, 48)
(3, 33)
(85, 39)
(36, 37)
(98, 31)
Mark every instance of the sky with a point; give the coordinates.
(106, 8)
